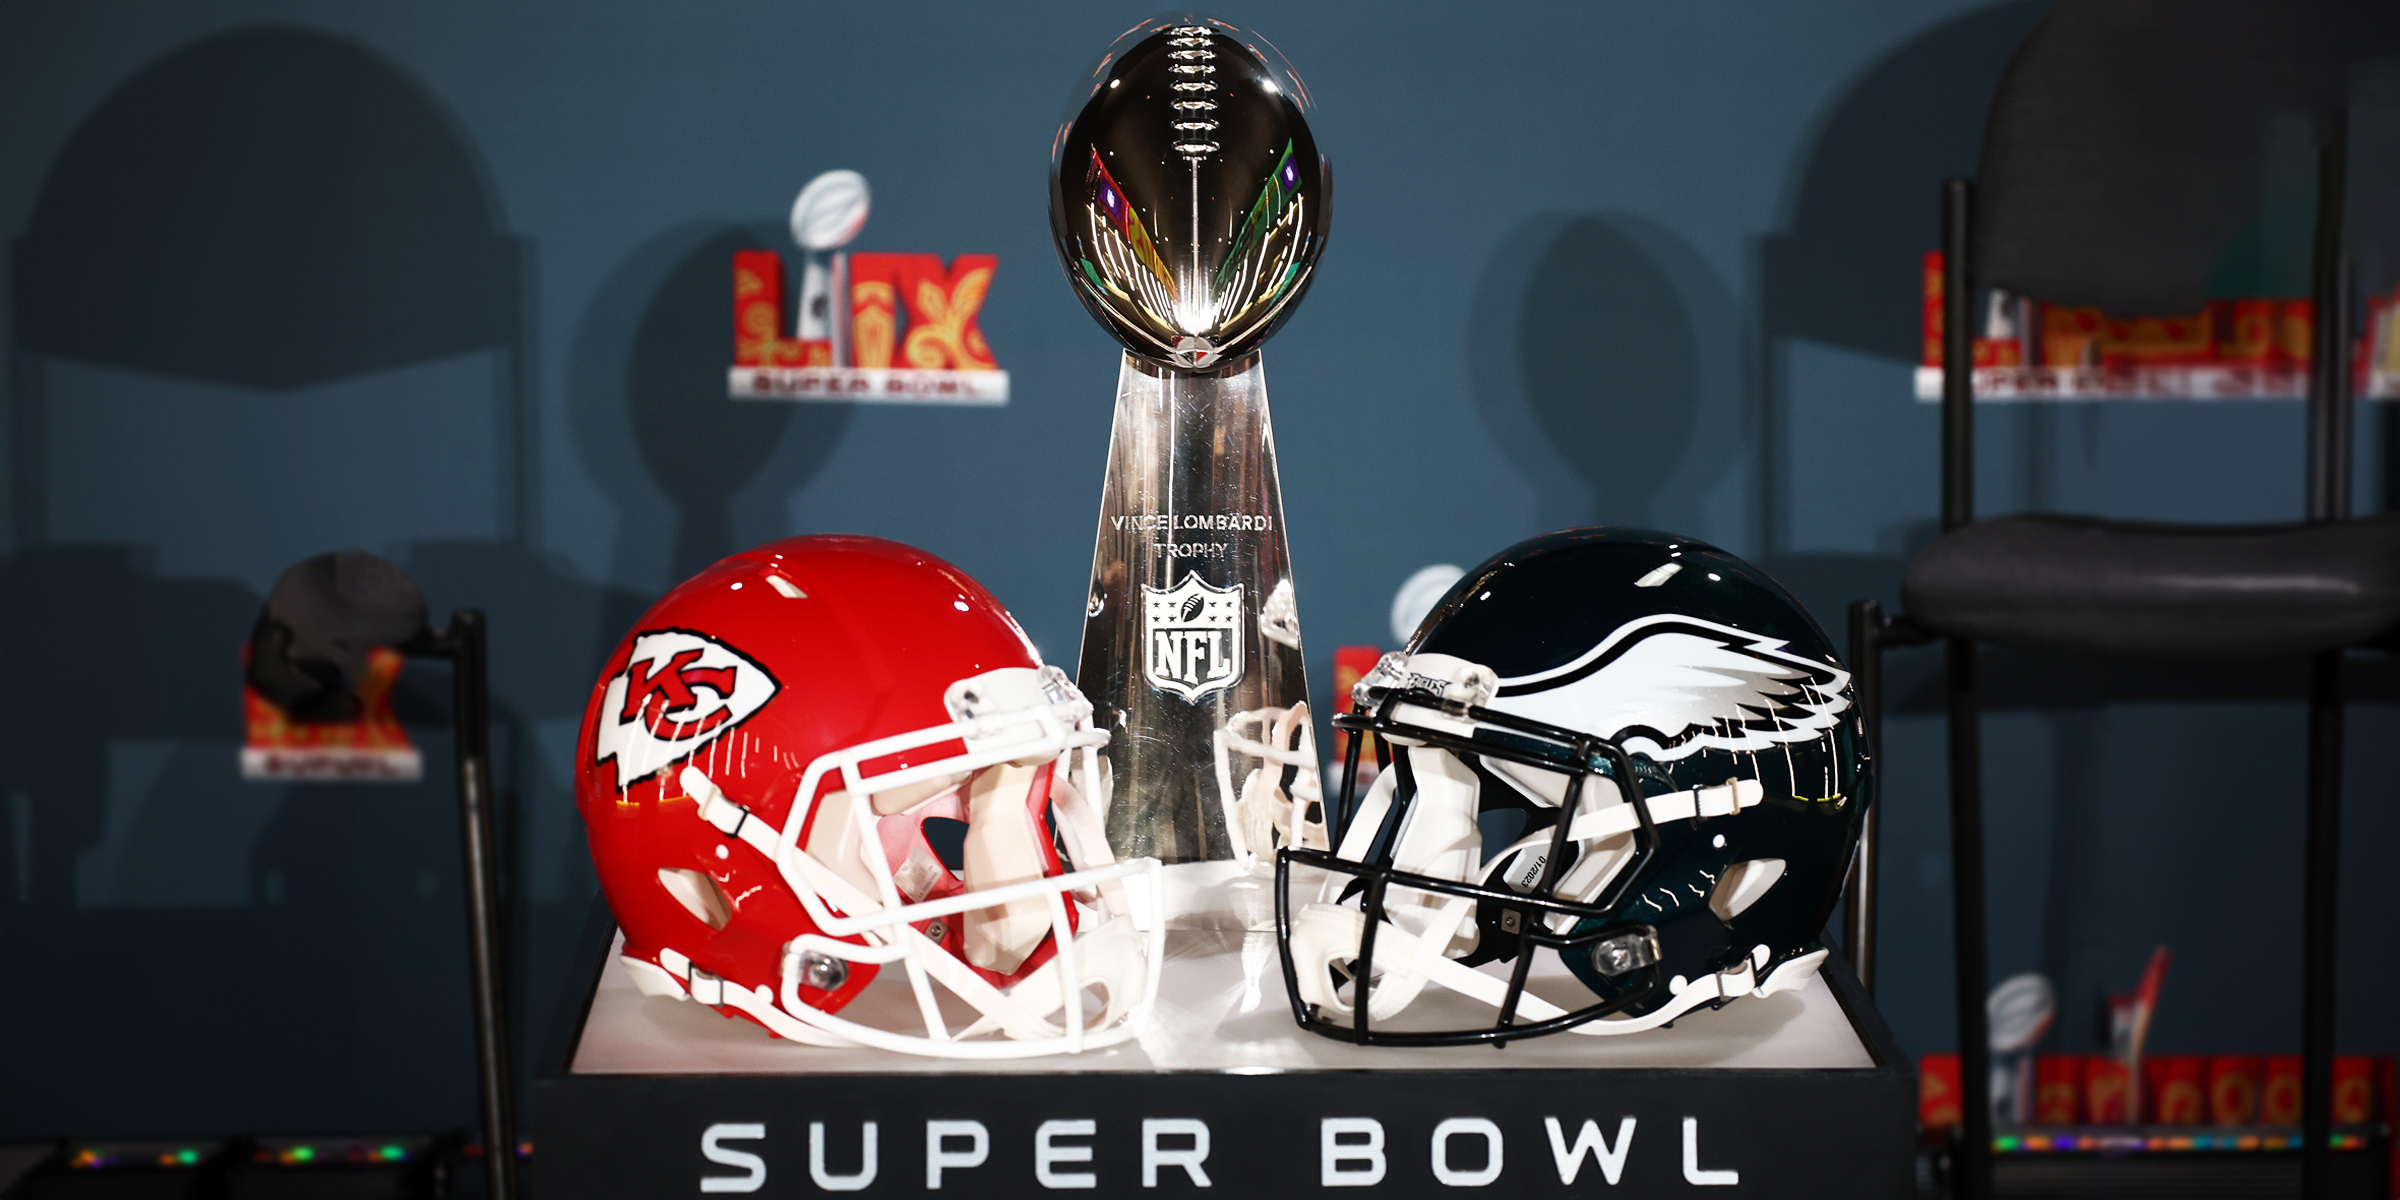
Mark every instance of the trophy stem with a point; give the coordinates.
(1190, 625)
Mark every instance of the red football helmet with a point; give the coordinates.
(833, 753)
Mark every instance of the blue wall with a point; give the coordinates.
(449, 282)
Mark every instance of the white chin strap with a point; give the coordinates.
(1413, 962)
(1038, 1015)
(1010, 717)
(1419, 940)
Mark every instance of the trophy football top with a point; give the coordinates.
(1188, 200)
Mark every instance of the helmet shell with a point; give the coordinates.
(1574, 606)
(750, 671)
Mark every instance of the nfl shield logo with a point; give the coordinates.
(1193, 636)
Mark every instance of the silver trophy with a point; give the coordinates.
(1188, 205)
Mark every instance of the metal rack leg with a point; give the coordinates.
(1972, 1169)
(1971, 1172)
(1866, 671)
(472, 692)
(2323, 886)
(2329, 420)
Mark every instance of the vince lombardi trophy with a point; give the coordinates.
(1188, 207)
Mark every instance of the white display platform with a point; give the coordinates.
(1222, 1008)
(1800, 1094)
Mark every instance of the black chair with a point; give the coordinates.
(2089, 584)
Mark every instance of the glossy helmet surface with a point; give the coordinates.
(1548, 677)
(1188, 201)
(831, 755)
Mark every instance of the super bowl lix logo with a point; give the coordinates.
(678, 692)
(1192, 634)
(870, 327)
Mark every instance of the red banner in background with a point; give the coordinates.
(371, 747)
(874, 309)
(915, 333)
(942, 310)
(2107, 1091)
(1937, 1091)
(2235, 348)
(2233, 1089)
(1351, 664)
(2171, 1088)
(2279, 1095)
(758, 323)
(2058, 1089)
(941, 307)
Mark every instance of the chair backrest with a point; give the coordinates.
(2125, 150)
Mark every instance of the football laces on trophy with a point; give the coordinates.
(1207, 123)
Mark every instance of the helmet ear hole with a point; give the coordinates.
(697, 893)
(1743, 884)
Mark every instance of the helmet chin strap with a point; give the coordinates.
(1002, 848)
(1686, 995)
(1413, 942)
(1109, 954)
(1324, 934)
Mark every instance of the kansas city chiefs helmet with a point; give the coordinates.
(1622, 752)
(829, 757)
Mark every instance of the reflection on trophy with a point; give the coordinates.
(1279, 801)
(1188, 206)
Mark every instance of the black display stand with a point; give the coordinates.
(652, 1097)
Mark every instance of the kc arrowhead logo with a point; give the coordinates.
(679, 691)
(1193, 633)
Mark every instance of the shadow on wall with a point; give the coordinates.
(244, 955)
(1862, 211)
(101, 652)
(1605, 354)
(264, 956)
(271, 210)
(1844, 271)
(649, 403)
(551, 631)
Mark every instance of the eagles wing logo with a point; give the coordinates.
(679, 691)
(1671, 686)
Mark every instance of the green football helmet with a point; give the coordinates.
(1627, 749)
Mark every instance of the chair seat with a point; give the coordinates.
(2132, 587)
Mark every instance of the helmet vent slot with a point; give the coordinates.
(1743, 884)
(697, 893)
(1501, 827)
(947, 838)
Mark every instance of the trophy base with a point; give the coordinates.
(1221, 894)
